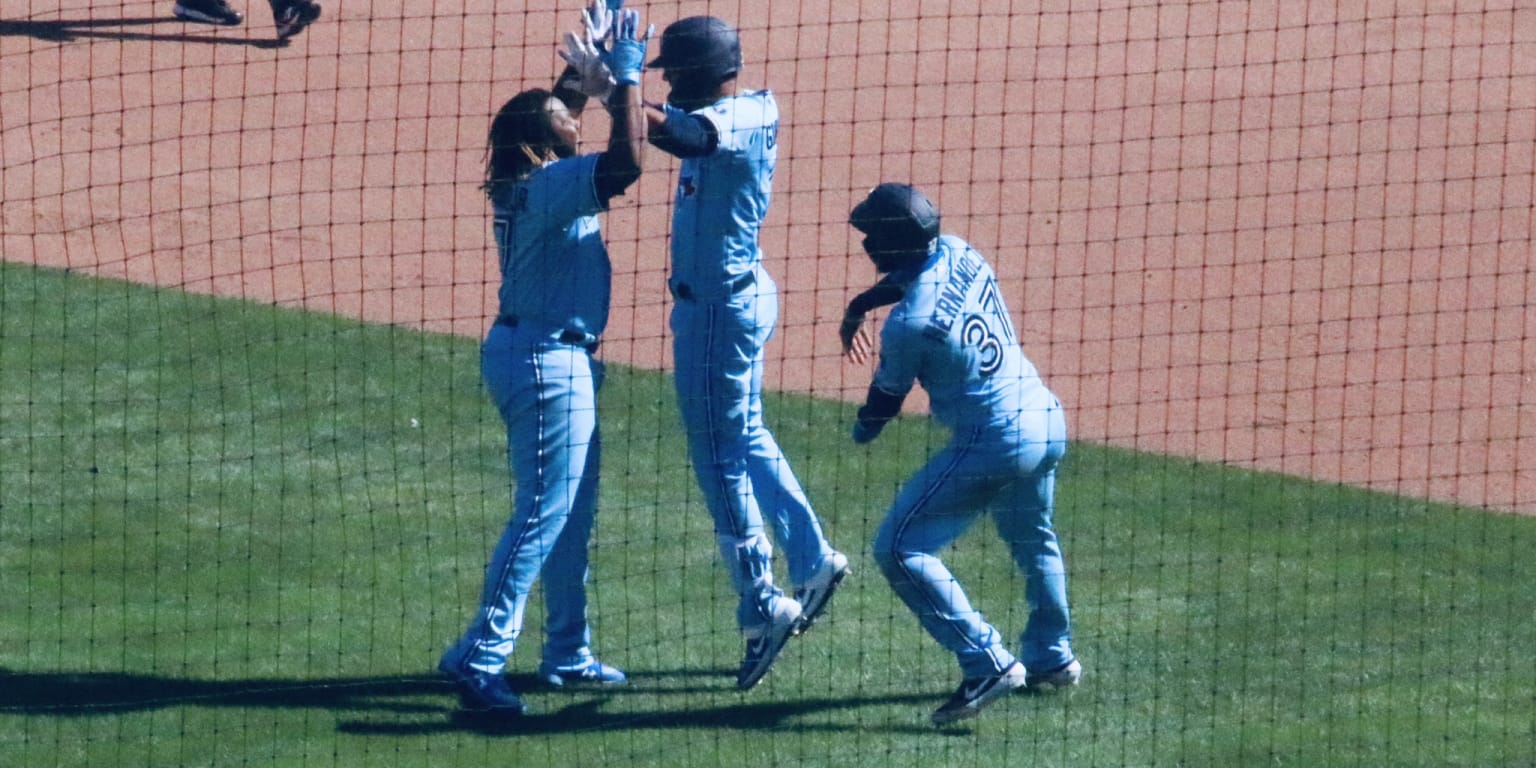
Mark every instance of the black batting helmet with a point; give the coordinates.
(702, 47)
(898, 214)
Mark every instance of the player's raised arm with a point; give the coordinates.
(586, 73)
(679, 133)
(620, 165)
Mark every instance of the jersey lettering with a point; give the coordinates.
(951, 300)
(503, 228)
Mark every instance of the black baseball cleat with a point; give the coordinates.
(975, 693)
(207, 12)
(484, 692)
(764, 644)
(292, 16)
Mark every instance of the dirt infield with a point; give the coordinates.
(1286, 236)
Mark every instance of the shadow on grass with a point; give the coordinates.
(588, 716)
(425, 705)
(64, 694)
(69, 30)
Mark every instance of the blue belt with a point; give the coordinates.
(737, 284)
(569, 336)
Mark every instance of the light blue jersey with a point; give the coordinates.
(726, 310)
(723, 197)
(538, 365)
(952, 333)
(555, 273)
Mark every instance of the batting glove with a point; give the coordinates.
(586, 60)
(598, 19)
(626, 57)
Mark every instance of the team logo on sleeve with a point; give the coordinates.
(685, 187)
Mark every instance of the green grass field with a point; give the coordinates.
(238, 535)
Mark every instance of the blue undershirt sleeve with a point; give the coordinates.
(685, 135)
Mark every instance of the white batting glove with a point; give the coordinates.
(598, 19)
(584, 57)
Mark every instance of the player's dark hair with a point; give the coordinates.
(520, 127)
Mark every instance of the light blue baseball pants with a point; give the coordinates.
(744, 477)
(1012, 472)
(547, 395)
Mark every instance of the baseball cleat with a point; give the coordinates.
(484, 692)
(975, 693)
(764, 645)
(816, 593)
(1064, 676)
(292, 16)
(593, 672)
(207, 12)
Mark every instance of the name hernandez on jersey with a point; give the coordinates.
(952, 333)
(951, 301)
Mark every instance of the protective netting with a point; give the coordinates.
(1274, 258)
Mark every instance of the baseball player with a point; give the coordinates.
(537, 359)
(951, 332)
(725, 311)
(290, 16)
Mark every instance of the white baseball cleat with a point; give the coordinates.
(1064, 676)
(816, 593)
(975, 693)
(764, 645)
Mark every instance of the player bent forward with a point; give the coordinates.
(951, 331)
(537, 359)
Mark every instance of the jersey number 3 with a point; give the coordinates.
(989, 329)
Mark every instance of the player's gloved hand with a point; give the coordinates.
(586, 60)
(598, 20)
(879, 408)
(626, 55)
(864, 431)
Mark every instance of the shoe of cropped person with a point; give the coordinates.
(764, 644)
(207, 12)
(975, 693)
(292, 16)
(816, 593)
(592, 673)
(1064, 676)
(484, 691)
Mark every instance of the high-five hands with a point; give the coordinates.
(585, 53)
(626, 56)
